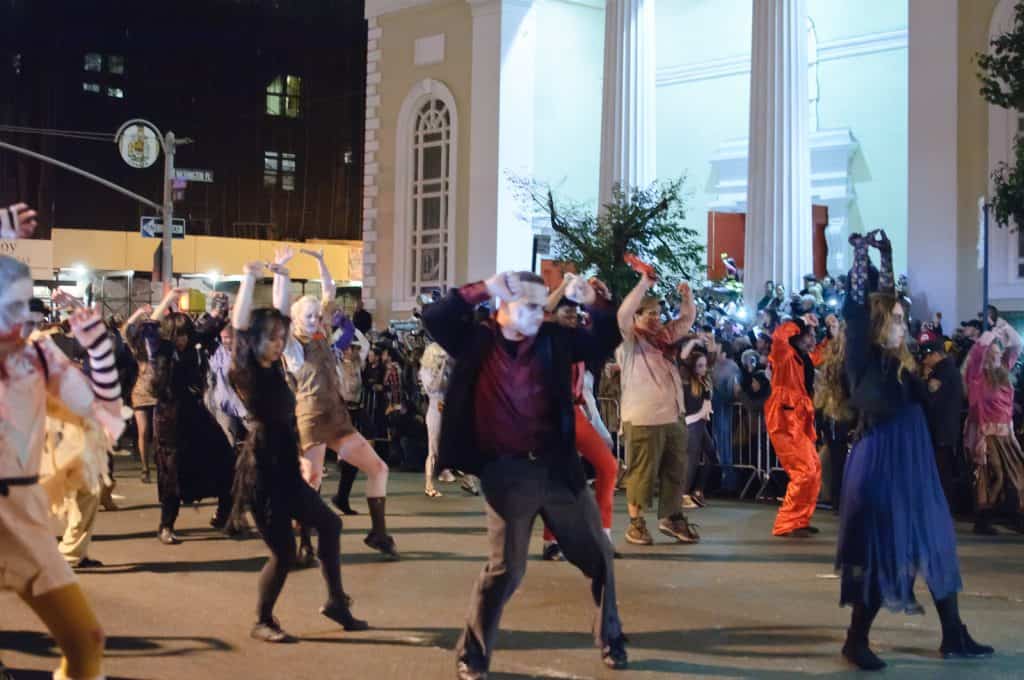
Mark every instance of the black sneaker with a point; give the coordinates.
(813, 530)
(637, 533)
(679, 528)
(613, 654)
(270, 631)
(962, 645)
(861, 656)
(552, 553)
(340, 613)
(87, 563)
(383, 544)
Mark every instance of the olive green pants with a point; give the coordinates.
(656, 450)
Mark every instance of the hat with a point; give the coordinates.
(929, 341)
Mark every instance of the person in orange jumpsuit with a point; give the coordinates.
(789, 413)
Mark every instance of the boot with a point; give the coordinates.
(956, 641)
(348, 477)
(856, 650)
(983, 524)
(378, 538)
(107, 497)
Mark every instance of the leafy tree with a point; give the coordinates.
(645, 221)
(1001, 72)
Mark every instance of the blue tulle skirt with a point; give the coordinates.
(894, 520)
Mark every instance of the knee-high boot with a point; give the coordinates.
(348, 477)
(378, 538)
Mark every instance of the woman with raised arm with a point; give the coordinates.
(321, 412)
(268, 478)
(193, 457)
(894, 521)
(143, 399)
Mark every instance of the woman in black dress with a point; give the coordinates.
(268, 479)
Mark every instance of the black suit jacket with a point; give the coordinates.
(451, 323)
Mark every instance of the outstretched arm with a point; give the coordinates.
(282, 280)
(631, 304)
(165, 303)
(328, 289)
(241, 316)
(681, 325)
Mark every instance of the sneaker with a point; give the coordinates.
(962, 645)
(469, 487)
(637, 533)
(689, 503)
(465, 671)
(167, 537)
(861, 656)
(446, 476)
(614, 654)
(340, 613)
(679, 528)
(270, 631)
(382, 543)
(552, 553)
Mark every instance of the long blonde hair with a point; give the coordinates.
(881, 316)
(831, 395)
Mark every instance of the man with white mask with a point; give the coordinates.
(509, 418)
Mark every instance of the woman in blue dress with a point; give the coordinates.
(894, 520)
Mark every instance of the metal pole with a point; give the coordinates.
(168, 210)
(79, 171)
(984, 279)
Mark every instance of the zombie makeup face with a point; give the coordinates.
(896, 330)
(307, 318)
(523, 317)
(14, 308)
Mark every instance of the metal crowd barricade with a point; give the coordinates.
(751, 447)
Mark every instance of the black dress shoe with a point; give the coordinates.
(812, 529)
(87, 563)
(613, 654)
(463, 671)
(962, 645)
(802, 532)
(383, 544)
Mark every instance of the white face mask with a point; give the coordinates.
(525, 317)
(309, 319)
(14, 307)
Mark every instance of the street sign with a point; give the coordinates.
(153, 227)
(190, 175)
(138, 143)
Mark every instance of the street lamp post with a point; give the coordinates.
(167, 265)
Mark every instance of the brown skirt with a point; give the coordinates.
(1003, 468)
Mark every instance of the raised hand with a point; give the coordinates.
(83, 325)
(811, 320)
(254, 268)
(685, 293)
(64, 300)
(317, 255)
(505, 285)
(24, 220)
(878, 239)
(283, 255)
(601, 288)
(579, 291)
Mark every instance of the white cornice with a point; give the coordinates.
(375, 8)
(592, 4)
(846, 48)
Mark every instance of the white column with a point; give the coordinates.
(779, 245)
(932, 262)
(501, 134)
(628, 112)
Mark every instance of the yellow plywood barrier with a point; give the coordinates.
(117, 250)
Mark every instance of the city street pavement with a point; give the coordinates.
(740, 604)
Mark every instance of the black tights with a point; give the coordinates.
(863, 615)
(305, 506)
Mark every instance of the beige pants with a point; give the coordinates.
(82, 511)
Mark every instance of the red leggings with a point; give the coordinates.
(595, 451)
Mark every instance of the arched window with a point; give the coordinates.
(425, 193)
